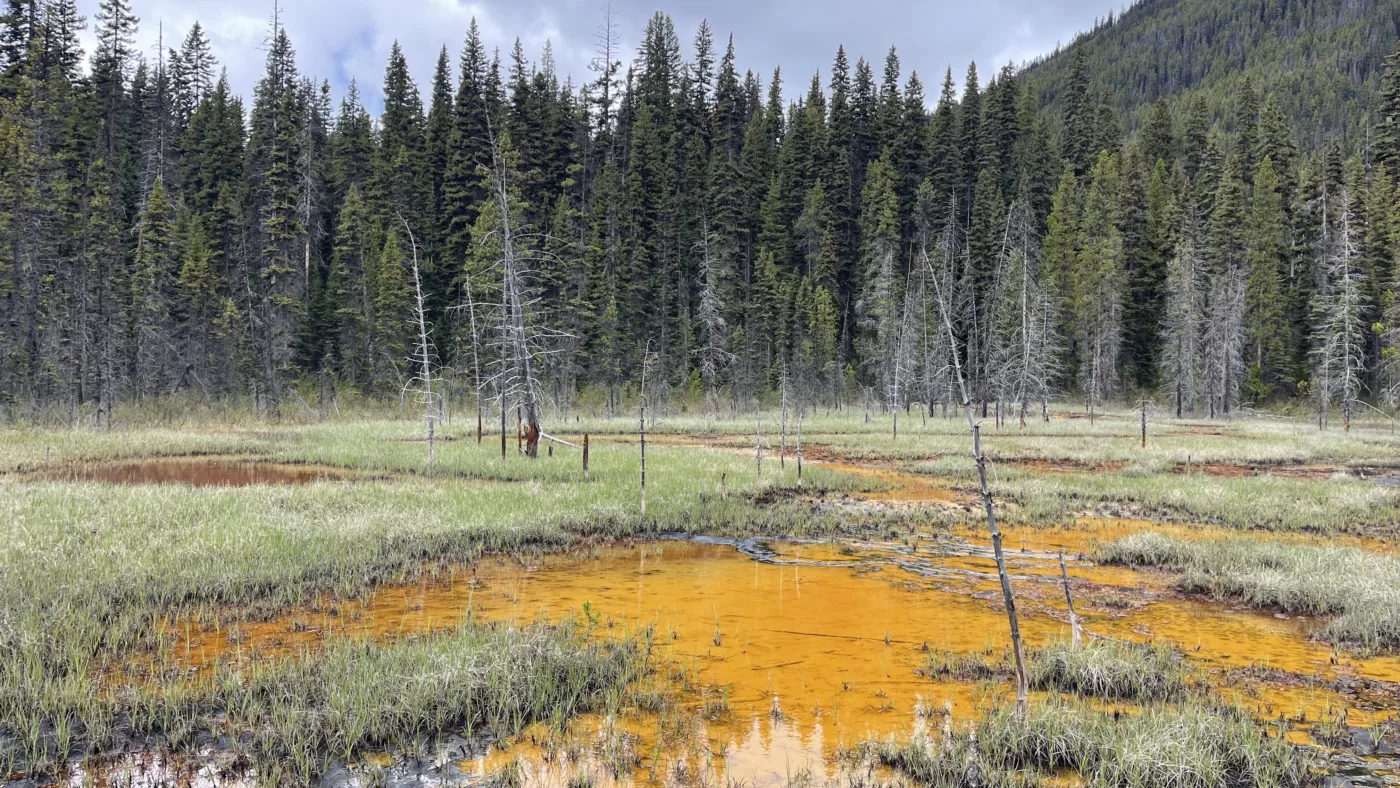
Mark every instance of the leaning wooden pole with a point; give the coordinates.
(1069, 602)
(988, 505)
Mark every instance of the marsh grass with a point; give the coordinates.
(1194, 746)
(1111, 669)
(1100, 668)
(484, 683)
(1341, 505)
(91, 570)
(1358, 589)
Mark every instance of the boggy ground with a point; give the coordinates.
(769, 660)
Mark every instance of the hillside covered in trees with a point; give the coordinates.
(1083, 230)
(1322, 59)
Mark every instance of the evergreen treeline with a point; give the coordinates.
(842, 242)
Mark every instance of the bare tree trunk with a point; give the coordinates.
(513, 316)
(988, 506)
(1143, 415)
(425, 355)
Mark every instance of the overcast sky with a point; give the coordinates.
(340, 39)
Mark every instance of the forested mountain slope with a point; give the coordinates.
(1322, 58)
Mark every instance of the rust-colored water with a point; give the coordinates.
(901, 486)
(815, 645)
(832, 640)
(197, 473)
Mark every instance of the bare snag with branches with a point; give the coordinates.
(988, 504)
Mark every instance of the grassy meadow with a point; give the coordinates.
(92, 572)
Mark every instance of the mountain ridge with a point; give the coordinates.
(1321, 58)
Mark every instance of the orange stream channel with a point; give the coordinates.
(827, 634)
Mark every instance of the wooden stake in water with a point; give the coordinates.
(1069, 602)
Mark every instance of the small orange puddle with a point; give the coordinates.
(197, 473)
(903, 487)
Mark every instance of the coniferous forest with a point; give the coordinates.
(1219, 228)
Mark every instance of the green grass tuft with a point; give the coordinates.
(1359, 589)
(1196, 746)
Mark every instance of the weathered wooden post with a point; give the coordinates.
(799, 447)
(758, 446)
(585, 455)
(1069, 602)
(1143, 413)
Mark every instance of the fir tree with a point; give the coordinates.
(1266, 323)
(1098, 285)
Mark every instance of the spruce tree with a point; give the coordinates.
(878, 310)
(152, 295)
(1388, 122)
(1098, 285)
(1266, 324)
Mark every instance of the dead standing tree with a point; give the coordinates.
(1338, 309)
(519, 339)
(1022, 683)
(423, 352)
(710, 322)
(1025, 346)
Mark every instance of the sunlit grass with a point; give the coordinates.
(1359, 589)
(91, 569)
(1098, 668)
(1193, 746)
